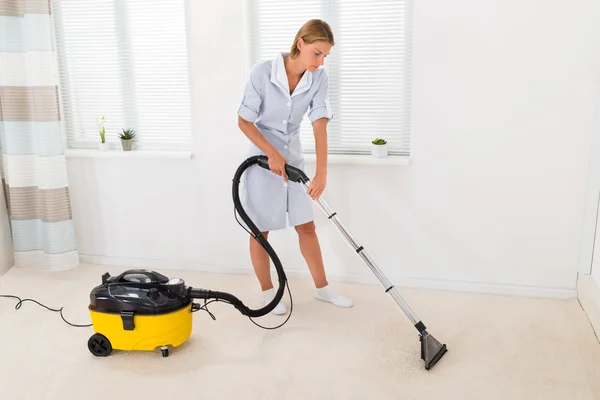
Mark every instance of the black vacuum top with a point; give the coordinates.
(140, 291)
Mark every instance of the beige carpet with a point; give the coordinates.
(500, 347)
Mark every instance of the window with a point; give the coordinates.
(368, 68)
(126, 61)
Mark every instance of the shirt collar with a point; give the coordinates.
(279, 77)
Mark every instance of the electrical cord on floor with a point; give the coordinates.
(288, 317)
(60, 310)
(195, 306)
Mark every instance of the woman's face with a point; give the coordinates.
(313, 55)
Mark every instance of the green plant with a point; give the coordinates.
(127, 134)
(101, 129)
(379, 141)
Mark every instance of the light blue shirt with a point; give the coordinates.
(277, 114)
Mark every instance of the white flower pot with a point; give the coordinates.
(104, 146)
(126, 144)
(379, 150)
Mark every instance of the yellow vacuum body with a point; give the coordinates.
(139, 310)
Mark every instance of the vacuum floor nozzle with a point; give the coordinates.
(431, 350)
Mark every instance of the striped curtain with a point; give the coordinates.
(34, 176)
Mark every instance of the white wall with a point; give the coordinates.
(596, 272)
(502, 121)
(595, 265)
(595, 259)
(6, 249)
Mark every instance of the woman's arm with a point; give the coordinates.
(320, 132)
(317, 185)
(320, 114)
(276, 160)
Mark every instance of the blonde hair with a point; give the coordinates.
(312, 31)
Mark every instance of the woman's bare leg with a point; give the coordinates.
(262, 267)
(261, 263)
(311, 251)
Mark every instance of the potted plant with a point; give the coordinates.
(127, 138)
(102, 130)
(379, 148)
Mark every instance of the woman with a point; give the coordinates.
(278, 94)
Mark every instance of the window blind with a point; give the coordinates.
(368, 68)
(126, 61)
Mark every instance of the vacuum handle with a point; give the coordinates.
(294, 174)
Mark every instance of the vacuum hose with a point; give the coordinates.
(294, 175)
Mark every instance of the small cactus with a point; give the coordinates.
(127, 134)
(379, 141)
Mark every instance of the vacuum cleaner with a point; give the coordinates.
(142, 309)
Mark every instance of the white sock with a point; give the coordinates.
(327, 293)
(269, 295)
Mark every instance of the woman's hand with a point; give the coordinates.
(317, 186)
(277, 164)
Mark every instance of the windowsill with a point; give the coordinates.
(115, 153)
(348, 159)
(342, 159)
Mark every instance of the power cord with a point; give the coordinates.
(60, 310)
(195, 307)
(288, 317)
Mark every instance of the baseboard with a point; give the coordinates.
(5, 269)
(366, 278)
(589, 298)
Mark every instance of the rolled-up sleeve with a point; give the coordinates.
(251, 100)
(319, 105)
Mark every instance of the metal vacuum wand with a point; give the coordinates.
(431, 349)
(389, 288)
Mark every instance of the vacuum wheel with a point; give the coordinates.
(165, 351)
(99, 345)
